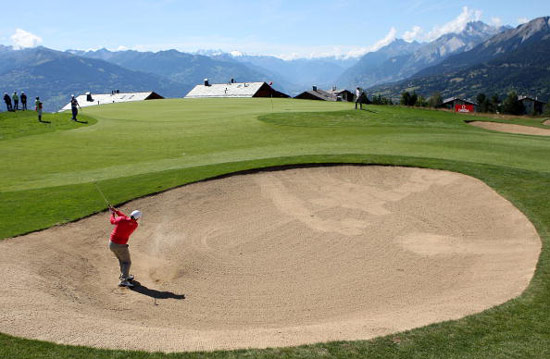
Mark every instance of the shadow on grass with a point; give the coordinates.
(80, 121)
(44, 121)
(153, 293)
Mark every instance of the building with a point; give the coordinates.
(333, 94)
(459, 105)
(89, 99)
(234, 89)
(531, 105)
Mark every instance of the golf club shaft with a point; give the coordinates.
(102, 195)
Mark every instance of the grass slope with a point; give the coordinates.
(138, 149)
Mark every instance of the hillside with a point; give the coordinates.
(184, 68)
(55, 75)
(400, 60)
(517, 59)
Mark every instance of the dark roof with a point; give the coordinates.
(523, 98)
(453, 99)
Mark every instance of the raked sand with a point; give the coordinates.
(277, 258)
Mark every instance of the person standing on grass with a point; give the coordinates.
(359, 98)
(23, 101)
(118, 243)
(15, 101)
(7, 100)
(38, 108)
(74, 107)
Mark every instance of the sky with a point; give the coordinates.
(283, 28)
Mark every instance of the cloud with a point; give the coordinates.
(456, 25)
(385, 41)
(496, 21)
(23, 39)
(522, 20)
(412, 34)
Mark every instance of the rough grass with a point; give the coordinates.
(137, 150)
(25, 123)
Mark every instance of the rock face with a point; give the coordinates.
(514, 60)
(400, 60)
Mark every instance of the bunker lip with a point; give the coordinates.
(277, 258)
(510, 128)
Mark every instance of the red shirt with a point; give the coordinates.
(124, 227)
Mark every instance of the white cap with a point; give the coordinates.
(135, 214)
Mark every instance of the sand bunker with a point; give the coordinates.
(274, 259)
(505, 127)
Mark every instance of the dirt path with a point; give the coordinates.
(510, 128)
(274, 259)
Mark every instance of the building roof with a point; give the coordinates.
(452, 99)
(235, 89)
(320, 94)
(522, 98)
(107, 98)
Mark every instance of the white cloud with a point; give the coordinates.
(496, 21)
(522, 20)
(23, 39)
(385, 41)
(412, 34)
(456, 25)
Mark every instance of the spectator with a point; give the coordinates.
(7, 100)
(23, 101)
(15, 101)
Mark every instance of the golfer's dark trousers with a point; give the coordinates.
(75, 112)
(23, 106)
(16, 104)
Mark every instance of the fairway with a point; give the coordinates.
(489, 240)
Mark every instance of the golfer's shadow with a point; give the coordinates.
(153, 293)
(44, 121)
(80, 121)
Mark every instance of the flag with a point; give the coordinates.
(270, 83)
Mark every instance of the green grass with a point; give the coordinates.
(25, 123)
(142, 148)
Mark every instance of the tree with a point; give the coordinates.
(483, 103)
(421, 102)
(494, 104)
(511, 105)
(413, 99)
(405, 98)
(435, 100)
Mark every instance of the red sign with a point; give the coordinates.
(464, 108)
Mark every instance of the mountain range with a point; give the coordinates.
(514, 60)
(480, 58)
(400, 59)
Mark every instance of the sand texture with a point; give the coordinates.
(510, 128)
(277, 258)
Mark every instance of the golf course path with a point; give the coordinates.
(277, 258)
(510, 128)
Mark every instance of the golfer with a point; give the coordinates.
(74, 107)
(118, 243)
(38, 108)
(358, 98)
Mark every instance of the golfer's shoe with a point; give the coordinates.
(125, 283)
(130, 278)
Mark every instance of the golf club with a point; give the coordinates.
(102, 195)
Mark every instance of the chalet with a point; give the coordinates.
(89, 99)
(234, 89)
(533, 106)
(459, 105)
(332, 95)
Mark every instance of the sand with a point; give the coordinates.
(276, 258)
(510, 128)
